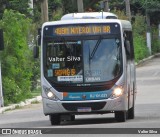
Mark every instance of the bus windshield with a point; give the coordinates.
(85, 60)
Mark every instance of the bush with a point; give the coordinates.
(155, 40)
(120, 14)
(139, 33)
(141, 50)
(16, 58)
(57, 14)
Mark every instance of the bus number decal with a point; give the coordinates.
(95, 96)
(93, 73)
(70, 78)
(55, 66)
(50, 73)
(93, 78)
(64, 72)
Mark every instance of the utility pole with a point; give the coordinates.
(106, 5)
(148, 33)
(44, 10)
(80, 5)
(1, 92)
(31, 6)
(128, 10)
(1, 48)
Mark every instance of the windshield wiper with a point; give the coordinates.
(95, 48)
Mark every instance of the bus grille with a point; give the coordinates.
(74, 106)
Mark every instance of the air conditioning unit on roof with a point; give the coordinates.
(89, 15)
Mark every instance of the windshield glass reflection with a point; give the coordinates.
(82, 61)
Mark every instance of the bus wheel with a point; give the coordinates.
(131, 113)
(55, 119)
(121, 116)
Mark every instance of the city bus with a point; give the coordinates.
(87, 67)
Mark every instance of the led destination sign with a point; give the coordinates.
(88, 29)
(82, 30)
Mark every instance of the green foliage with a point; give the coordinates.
(36, 12)
(155, 40)
(55, 9)
(120, 14)
(141, 50)
(57, 14)
(139, 26)
(69, 6)
(16, 58)
(17, 5)
(155, 46)
(139, 29)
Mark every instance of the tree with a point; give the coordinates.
(17, 5)
(16, 58)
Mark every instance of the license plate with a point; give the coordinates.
(84, 109)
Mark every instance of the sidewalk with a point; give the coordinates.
(146, 59)
(39, 98)
(21, 104)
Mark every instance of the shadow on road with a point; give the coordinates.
(88, 121)
(46, 123)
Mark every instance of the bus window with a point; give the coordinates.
(64, 61)
(106, 62)
(129, 40)
(101, 58)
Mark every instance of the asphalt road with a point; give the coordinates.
(147, 108)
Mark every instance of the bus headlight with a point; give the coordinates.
(50, 94)
(117, 91)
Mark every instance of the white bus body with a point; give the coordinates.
(72, 93)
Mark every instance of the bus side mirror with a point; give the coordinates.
(127, 47)
(39, 37)
(36, 52)
(1, 40)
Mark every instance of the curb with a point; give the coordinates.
(21, 104)
(146, 59)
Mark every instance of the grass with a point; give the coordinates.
(36, 92)
(35, 102)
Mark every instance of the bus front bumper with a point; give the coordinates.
(82, 107)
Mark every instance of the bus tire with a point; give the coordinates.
(72, 117)
(121, 116)
(131, 113)
(55, 119)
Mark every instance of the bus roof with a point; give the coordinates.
(89, 15)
